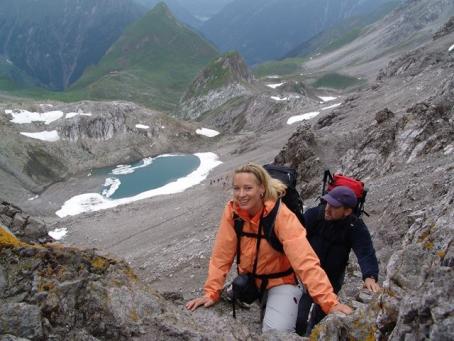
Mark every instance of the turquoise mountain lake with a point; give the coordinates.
(129, 180)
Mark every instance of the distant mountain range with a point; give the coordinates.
(53, 41)
(268, 29)
(340, 34)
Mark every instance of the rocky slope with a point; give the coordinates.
(89, 135)
(404, 152)
(52, 292)
(223, 79)
(407, 27)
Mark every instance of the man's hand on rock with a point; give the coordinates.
(371, 284)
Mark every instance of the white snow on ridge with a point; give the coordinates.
(142, 126)
(274, 86)
(303, 117)
(90, 202)
(327, 98)
(451, 48)
(277, 98)
(73, 114)
(207, 132)
(58, 234)
(273, 76)
(24, 116)
(332, 106)
(49, 136)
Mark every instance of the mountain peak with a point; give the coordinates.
(227, 69)
(161, 8)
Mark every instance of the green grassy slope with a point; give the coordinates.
(152, 63)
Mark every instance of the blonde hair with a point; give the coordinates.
(274, 188)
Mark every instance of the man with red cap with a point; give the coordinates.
(333, 230)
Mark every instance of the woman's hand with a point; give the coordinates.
(197, 302)
(342, 308)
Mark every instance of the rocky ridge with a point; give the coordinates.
(223, 79)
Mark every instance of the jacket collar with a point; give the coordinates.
(268, 206)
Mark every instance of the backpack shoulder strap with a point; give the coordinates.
(268, 223)
(238, 224)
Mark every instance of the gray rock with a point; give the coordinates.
(3, 280)
(34, 230)
(8, 337)
(22, 320)
(18, 222)
(383, 115)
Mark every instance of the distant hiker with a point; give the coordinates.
(262, 270)
(333, 230)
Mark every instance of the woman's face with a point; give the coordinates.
(247, 193)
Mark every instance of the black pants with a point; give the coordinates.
(304, 322)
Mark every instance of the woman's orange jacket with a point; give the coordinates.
(298, 254)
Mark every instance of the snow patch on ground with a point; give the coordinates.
(49, 136)
(90, 202)
(332, 106)
(58, 234)
(276, 85)
(327, 98)
(142, 126)
(451, 48)
(277, 98)
(303, 117)
(24, 116)
(207, 132)
(74, 114)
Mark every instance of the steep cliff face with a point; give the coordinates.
(54, 41)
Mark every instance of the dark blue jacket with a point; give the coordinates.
(333, 240)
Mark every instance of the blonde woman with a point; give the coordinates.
(255, 194)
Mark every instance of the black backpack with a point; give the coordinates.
(291, 199)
